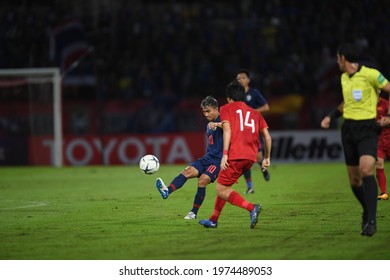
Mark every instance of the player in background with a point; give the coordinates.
(241, 128)
(360, 86)
(383, 145)
(206, 168)
(255, 100)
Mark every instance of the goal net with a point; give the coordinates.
(30, 116)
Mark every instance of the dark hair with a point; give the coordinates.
(235, 91)
(245, 71)
(351, 52)
(209, 101)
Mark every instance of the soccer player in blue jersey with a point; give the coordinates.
(255, 100)
(206, 168)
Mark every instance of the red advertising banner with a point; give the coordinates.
(119, 150)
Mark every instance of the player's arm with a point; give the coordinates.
(261, 101)
(387, 89)
(268, 145)
(263, 108)
(226, 144)
(334, 114)
(214, 125)
(385, 120)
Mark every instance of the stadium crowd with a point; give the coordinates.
(156, 56)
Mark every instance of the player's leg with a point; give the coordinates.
(381, 178)
(188, 173)
(212, 222)
(225, 192)
(200, 195)
(209, 174)
(220, 201)
(179, 181)
(234, 198)
(249, 183)
(380, 167)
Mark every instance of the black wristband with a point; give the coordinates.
(335, 114)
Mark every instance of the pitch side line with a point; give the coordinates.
(30, 205)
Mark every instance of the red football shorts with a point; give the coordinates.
(235, 170)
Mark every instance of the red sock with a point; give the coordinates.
(236, 199)
(218, 206)
(381, 177)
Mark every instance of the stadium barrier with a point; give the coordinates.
(178, 148)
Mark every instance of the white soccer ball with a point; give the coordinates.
(149, 164)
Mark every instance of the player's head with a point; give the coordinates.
(235, 91)
(209, 107)
(347, 52)
(243, 77)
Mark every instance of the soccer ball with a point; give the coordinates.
(149, 164)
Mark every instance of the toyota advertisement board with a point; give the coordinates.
(180, 148)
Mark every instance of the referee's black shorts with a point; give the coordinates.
(359, 138)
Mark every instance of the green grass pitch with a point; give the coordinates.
(116, 213)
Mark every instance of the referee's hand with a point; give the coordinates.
(325, 122)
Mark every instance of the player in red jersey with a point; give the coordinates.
(241, 128)
(383, 146)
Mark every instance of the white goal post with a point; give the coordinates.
(37, 75)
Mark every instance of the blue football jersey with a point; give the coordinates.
(254, 98)
(214, 142)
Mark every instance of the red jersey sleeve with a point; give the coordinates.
(224, 113)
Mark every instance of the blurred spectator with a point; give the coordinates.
(142, 48)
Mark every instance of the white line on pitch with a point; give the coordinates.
(32, 204)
